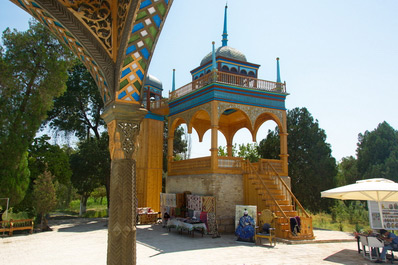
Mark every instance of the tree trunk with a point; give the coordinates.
(42, 222)
(83, 204)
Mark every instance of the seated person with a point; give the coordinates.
(389, 238)
(166, 218)
(245, 230)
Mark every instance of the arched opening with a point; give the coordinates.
(251, 73)
(208, 71)
(268, 140)
(234, 70)
(243, 72)
(182, 143)
(225, 68)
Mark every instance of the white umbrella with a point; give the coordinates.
(378, 189)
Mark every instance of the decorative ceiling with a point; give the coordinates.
(114, 39)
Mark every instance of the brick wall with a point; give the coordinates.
(227, 189)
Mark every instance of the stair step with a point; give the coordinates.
(269, 185)
(271, 190)
(276, 197)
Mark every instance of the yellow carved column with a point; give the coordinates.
(214, 136)
(229, 149)
(284, 155)
(123, 122)
(170, 147)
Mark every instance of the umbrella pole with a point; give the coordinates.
(381, 214)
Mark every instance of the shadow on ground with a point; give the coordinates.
(345, 255)
(79, 225)
(159, 239)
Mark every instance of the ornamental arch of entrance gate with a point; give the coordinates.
(115, 40)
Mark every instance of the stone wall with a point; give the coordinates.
(227, 189)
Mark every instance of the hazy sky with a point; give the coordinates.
(339, 58)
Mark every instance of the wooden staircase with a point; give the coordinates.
(265, 188)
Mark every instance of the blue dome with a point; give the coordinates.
(153, 81)
(227, 52)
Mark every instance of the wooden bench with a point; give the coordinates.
(16, 225)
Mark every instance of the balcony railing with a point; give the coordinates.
(159, 103)
(231, 79)
(231, 165)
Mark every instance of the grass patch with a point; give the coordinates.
(15, 216)
(325, 221)
(95, 208)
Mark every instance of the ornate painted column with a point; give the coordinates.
(123, 122)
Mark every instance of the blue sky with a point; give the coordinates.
(339, 58)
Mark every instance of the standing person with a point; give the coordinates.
(389, 238)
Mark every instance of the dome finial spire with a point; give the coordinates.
(278, 73)
(213, 57)
(173, 86)
(225, 34)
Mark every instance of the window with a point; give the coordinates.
(233, 69)
(243, 72)
(225, 68)
(251, 73)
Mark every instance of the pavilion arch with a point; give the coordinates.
(266, 117)
(232, 120)
(174, 125)
(201, 122)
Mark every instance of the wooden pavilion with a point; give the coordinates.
(225, 96)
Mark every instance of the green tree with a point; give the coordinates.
(377, 153)
(179, 144)
(89, 168)
(15, 181)
(347, 171)
(269, 148)
(249, 152)
(45, 156)
(44, 196)
(311, 166)
(33, 68)
(78, 110)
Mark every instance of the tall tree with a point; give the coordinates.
(89, 168)
(311, 166)
(347, 171)
(377, 153)
(45, 156)
(33, 68)
(78, 110)
(179, 145)
(44, 196)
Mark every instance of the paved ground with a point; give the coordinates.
(83, 241)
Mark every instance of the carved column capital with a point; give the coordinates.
(123, 122)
